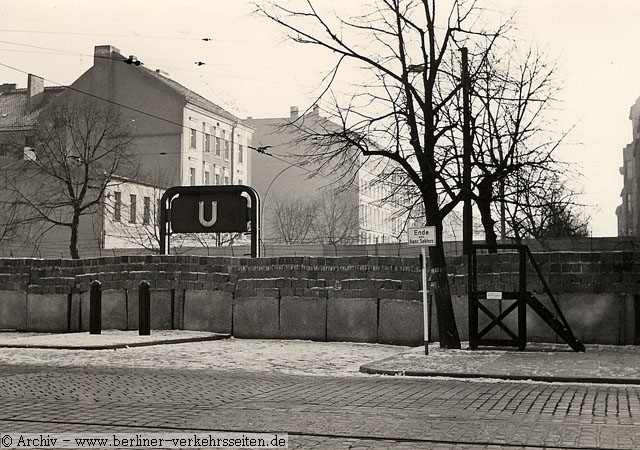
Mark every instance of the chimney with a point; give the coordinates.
(293, 112)
(6, 87)
(35, 91)
(103, 53)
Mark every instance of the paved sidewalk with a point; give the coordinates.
(540, 362)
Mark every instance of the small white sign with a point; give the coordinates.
(424, 236)
(494, 295)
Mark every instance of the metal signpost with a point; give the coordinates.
(210, 209)
(423, 237)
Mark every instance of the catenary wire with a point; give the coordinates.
(350, 186)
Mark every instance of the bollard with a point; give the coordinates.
(95, 308)
(144, 308)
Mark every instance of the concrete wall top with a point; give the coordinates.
(566, 272)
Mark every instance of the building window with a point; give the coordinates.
(629, 203)
(239, 181)
(132, 208)
(218, 146)
(192, 176)
(217, 178)
(207, 143)
(4, 150)
(117, 206)
(240, 153)
(193, 140)
(146, 211)
(227, 149)
(227, 179)
(206, 174)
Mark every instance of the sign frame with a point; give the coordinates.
(423, 237)
(207, 220)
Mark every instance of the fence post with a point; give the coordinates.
(144, 308)
(95, 308)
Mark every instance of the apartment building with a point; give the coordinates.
(628, 213)
(180, 137)
(280, 176)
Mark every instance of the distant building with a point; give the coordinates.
(628, 212)
(279, 176)
(19, 110)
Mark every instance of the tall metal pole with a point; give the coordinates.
(425, 298)
(467, 219)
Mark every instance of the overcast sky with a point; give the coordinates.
(252, 71)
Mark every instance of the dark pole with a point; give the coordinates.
(467, 220)
(144, 308)
(95, 308)
(522, 299)
(164, 248)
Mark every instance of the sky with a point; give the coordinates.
(252, 70)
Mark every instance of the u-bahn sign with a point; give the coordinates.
(209, 209)
(209, 213)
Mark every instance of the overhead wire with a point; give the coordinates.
(154, 116)
(260, 150)
(161, 61)
(136, 36)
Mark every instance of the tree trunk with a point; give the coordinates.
(447, 329)
(483, 201)
(73, 243)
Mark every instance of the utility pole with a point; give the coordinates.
(467, 219)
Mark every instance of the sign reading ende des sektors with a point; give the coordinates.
(423, 236)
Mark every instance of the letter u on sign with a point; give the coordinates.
(214, 214)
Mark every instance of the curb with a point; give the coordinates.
(118, 346)
(370, 370)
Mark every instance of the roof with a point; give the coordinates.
(194, 98)
(15, 114)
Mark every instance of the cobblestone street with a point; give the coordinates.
(321, 411)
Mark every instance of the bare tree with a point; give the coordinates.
(79, 145)
(407, 51)
(330, 217)
(335, 220)
(292, 218)
(512, 135)
(542, 207)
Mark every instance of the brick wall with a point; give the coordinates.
(364, 298)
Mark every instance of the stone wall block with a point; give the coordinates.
(352, 319)
(303, 318)
(13, 310)
(208, 311)
(256, 317)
